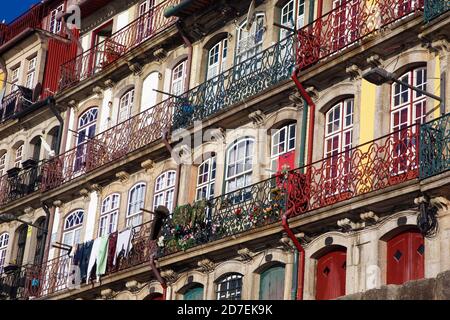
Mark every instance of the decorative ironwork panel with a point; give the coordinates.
(96, 59)
(434, 8)
(243, 80)
(435, 147)
(347, 24)
(13, 284)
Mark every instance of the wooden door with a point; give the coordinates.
(271, 286)
(331, 275)
(195, 293)
(405, 257)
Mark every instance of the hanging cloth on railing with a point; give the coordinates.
(84, 262)
(123, 245)
(112, 241)
(102, 256)
(92, 258)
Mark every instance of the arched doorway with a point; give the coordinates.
(271, 285)
(331, 274)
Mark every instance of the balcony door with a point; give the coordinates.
(331, 275)
(345, 23)
(103, 51)
(87, 125)
(145, 22)
(21, 243)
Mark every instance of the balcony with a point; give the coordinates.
(15, 103)
(347, 25)
(13, 284)
(102, 55)
(435, 8)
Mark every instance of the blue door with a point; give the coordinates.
(271, 285)
(195, 293)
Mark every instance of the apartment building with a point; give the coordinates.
(301, 148)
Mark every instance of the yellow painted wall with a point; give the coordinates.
(367, 112)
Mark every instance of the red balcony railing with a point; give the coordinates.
(109, 145)
(347, 24)
(103, 54)
(61, 274)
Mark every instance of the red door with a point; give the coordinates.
(331, 275)
(405, 257)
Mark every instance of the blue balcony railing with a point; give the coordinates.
(434, 8)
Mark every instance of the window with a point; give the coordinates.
(2, 164)
(55, 26)
(345, 25)
(165, 190)
(21, 243)
(249, 42)
(206, 179)
(283, 142)
(15, 74)
(73, 225)
(229, 287)
(217, 58)
(19, 156)
(4, 240)
(179, 78)
(87, 125)
(145, 6)
(40, 241)
(108, 215)
(31, 71)
(239, 165)
(288, 11)
(125, 106)
(136, 198)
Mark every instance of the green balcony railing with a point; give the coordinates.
(435, 147)
(244, 80)
(434, 8)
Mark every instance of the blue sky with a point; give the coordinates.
(11, 9)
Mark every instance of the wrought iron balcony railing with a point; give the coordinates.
(373, 166)
(435, 8)
(18, 183)
(99, 57)
(435, 147)
(15, 102)
(246, 79)
(13, 284)
(346, 25)
(108, 146)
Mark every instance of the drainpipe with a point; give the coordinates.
(158, 276)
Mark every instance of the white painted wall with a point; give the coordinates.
(105, 111)
(54, 235)
(122, 19)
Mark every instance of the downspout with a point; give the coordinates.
(158, 276)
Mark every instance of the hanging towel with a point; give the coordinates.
(102, 256)
(93, 258)
(85, 259)
(112, 241)
(78, 254)
(123, 245)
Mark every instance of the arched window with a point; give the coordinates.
(136, 198)
(18, 156)
(35, 145)
(206, 179)
(125, 105)
(217, 58)
(229, 287)
(21, 243)
(291, 9)
(40, 241)
(338, 136)
(239, 165)
(179, 78)
(2, 163)
(108, 215)
(249, 42)
(165, 190)
(283, 148)
(271, 285)
(87, 125)
(4, 240)
(73, 225)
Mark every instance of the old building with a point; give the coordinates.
(301, 147)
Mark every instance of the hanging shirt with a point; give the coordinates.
(123, 245)
(84, 262)
(102, 256)
(112, 241)
(92, 258)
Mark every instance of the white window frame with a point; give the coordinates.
(206, 179)
(73, 225)
(225, 281)
(4, 241)
(178, 78)
(18, 156)
(283, 147)
(31, 72)
(217, 59)
(288, 11)
(2, 164)
(109, 213)
(15, 77)
(55, 26)
(231, 179)
(165, 190)
(126, 105)
(136, 201)
(248, 42)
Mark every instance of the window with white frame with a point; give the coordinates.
(19, 156)
(229, 287)
(165, 190)
(283, 141)
(292, 8)
(206, 179)
(73, 225)
(217, 58)
(31, 72)
(345, 25)
(179, 78)
(145, 6)
(338, 136)
(249, 42)
(108, 215)
(239, 164)
(15, 75)
(136, 199)
(4, 240)
(2, 164)
(126, 105)
(87, 125)
(55, 25)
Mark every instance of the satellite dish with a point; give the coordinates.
(251, 15)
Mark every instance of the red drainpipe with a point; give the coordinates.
(159, 277)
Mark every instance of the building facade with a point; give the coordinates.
(288, 173)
